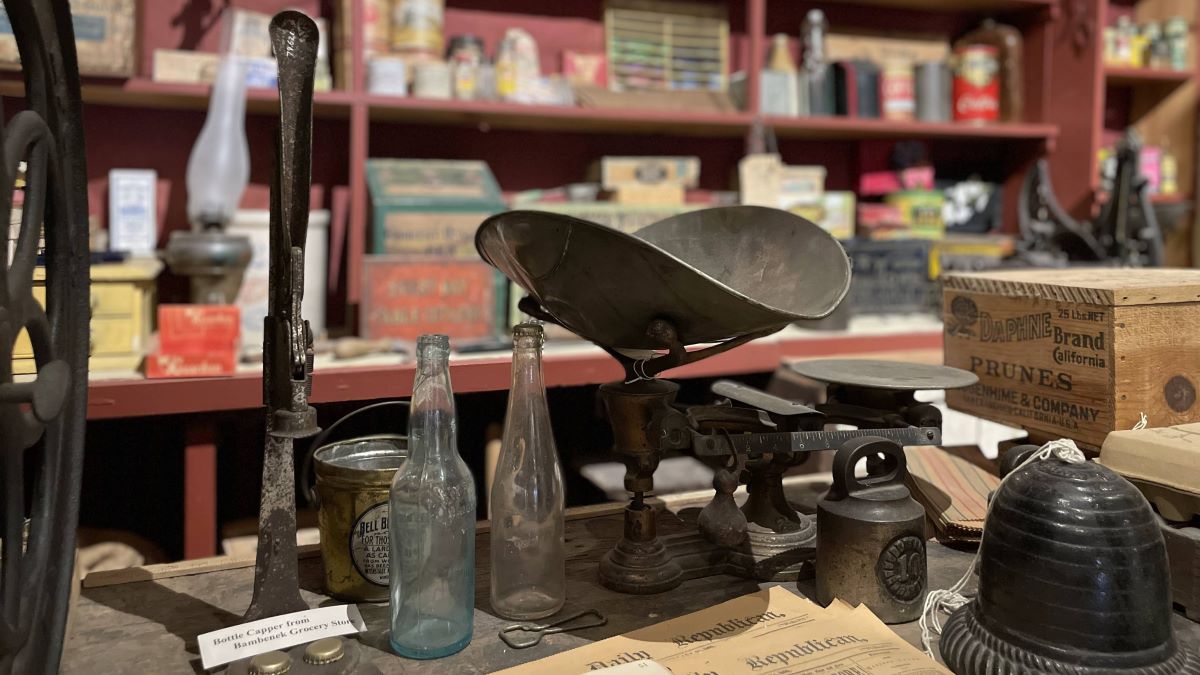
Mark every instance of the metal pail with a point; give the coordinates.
(353, 478)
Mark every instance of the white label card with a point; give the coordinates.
(278, 632)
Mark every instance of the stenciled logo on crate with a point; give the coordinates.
(964, 314)
(966, 321)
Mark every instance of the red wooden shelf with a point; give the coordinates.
(140, 92)
(957, 5)
(109, 399)
(857, 128)
(1177, 198)
(556, 118)
(1123, 75)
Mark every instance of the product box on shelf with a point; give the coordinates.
(619, 172)
(626, 218)
(404, 297)
(105, 37)
(890, 277)
(1075, 353)
(670, 45)
(195, 341)
(198, 327)
(122, 306)
(218, 363)
(430, 207)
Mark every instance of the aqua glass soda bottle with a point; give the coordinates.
(432, 525)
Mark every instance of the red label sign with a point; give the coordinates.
(404, 299)
(976, 84)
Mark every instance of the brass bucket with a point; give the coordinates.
(353, 478)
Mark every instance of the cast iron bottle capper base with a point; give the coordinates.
(1073, 579)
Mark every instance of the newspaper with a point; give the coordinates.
(772, 631)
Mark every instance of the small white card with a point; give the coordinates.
(278, 632)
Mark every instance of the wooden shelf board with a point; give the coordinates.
(485, 114)
(576, 366)
(145, 93)
(848, 128)
(958, 5)
(1126, 76)
(1177, 198)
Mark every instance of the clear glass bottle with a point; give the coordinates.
(432, 521)
(528, 552)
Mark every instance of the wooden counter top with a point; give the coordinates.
(121, 625)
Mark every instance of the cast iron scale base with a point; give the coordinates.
(718, 277)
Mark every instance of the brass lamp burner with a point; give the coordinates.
(720, 278)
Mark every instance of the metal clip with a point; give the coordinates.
(561, 626)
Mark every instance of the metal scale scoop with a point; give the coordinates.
(714, 279)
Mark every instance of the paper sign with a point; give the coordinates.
(772, 631)
(278, 632)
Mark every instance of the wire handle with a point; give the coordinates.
(307, 486)
(508, 633)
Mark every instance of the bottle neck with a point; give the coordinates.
(527, 368)
(432, 423)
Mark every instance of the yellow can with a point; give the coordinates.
(353, 481)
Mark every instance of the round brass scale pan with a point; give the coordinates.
(875, 374)
(715, 274)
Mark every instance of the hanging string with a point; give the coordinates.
(949, 600)
(1142, 423)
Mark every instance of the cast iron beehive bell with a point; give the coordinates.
(1073, 580)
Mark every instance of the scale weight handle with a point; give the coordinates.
(893, 467)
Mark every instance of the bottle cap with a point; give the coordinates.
(326, 650)
(270, 663)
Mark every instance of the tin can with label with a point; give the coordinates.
(976, 84)
(897, 92)
(353, 478)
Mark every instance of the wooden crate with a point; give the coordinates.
(1076, 353)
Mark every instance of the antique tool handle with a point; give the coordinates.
(294, 38)
(894, 467)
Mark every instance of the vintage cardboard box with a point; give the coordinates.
(1075, 353)
(104, 37)
(430, 207)
(617, 172)
(404, 297)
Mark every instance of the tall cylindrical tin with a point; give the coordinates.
(896, 90)
(353, 479)
(976, 84)
(933, 91)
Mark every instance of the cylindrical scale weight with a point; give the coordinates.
(353, 478)
(871, 535)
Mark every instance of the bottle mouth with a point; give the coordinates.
(434, 340)
(524, 332)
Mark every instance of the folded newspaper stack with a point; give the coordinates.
(771, 631)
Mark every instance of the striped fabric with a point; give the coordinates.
(953, 491)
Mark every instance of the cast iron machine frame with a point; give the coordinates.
(42, 421)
